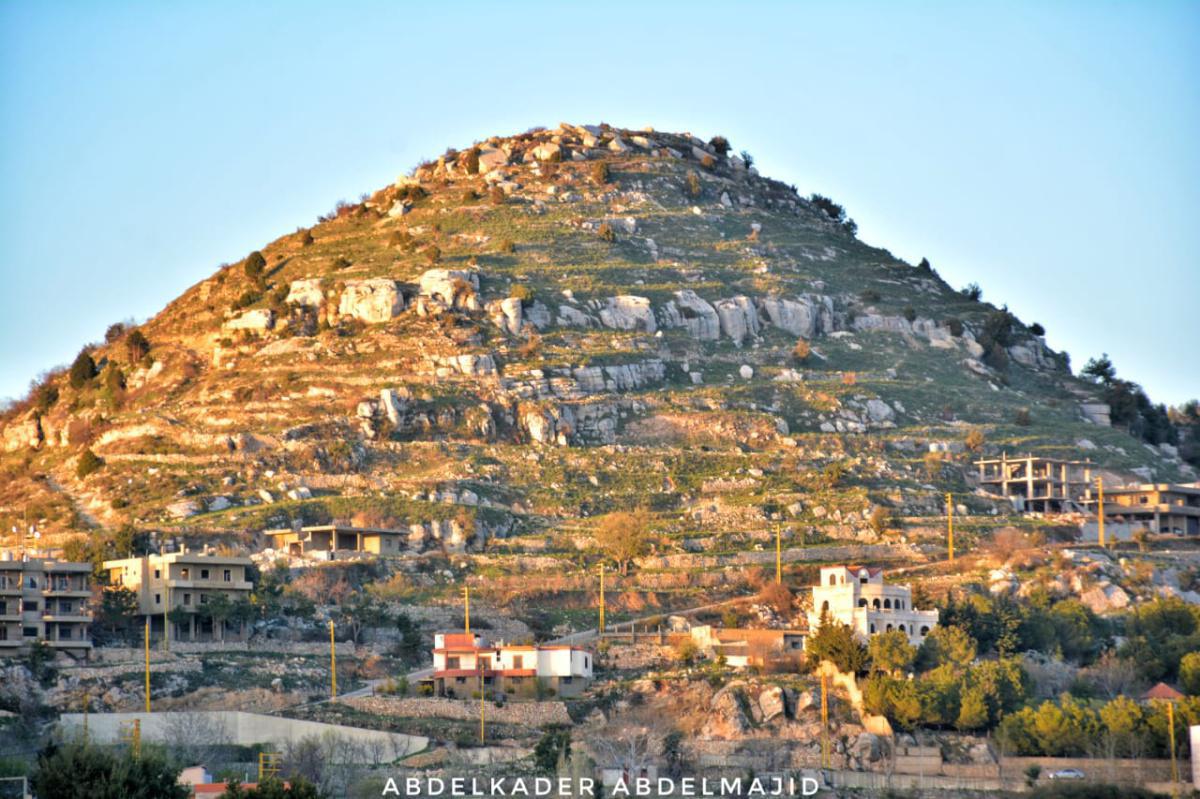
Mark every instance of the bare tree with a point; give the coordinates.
(195, 738)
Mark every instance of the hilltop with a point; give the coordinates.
(545, 327)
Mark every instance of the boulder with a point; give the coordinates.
(306, 292)
(805, 316)
(773, 702)
(219, 503)
(569, 316)
(394, 402)
(547, 152)
(454, 287)
(628, 312)
(737, 317)
(257, 319)
(880, 411)
(23, 433)
(183, 508)
(746, 371)
(490, 158)
(372, 300)
(726, 717)
(507, 314)
(688, 310)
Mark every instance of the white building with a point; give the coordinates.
(857, 597)
(460, 660)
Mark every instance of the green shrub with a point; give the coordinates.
(522, 292)
(471, 161)
(255, 265)
(693, 185)
(720, 144)
(44, 395)
(507, 246)
(956, 326)
(433, 254)
(1022, 418)
(341, 262)
(306, 237)
(88, 463)
(972, 292)
(136, 346)
(910, 313)
(83, 370)
(1037, 330)
(870, 295)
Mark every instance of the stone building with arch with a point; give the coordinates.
(858, 597)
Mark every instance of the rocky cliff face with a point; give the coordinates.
(554, 324)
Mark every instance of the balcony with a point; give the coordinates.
(76, 644)
(10, 643)
(66, 588)
(85, 618)
(209, 585)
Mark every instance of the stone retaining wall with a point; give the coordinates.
(527, 714)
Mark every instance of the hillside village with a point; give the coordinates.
(594, 451)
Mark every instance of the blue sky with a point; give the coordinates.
(1046, 150)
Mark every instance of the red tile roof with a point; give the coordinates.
(1162, 691)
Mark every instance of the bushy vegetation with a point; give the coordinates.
(1130, 407)
(255, 265)
(83, 370)
(88, 463)
(834, 212)
(80, 770)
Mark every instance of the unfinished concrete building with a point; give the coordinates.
(1159, 508)
(1041, 485)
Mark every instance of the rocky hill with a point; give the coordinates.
(542, 328)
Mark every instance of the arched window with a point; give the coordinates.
(825, 606)
(899, 604)
(889, 628)
(901, 629)
(872, 629)
(887, 604)
(833, 579)
(862, 603)
(924, 631)
(876, 603)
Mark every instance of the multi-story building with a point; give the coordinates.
(461, 660)
(327, 540)
(1044, 485)
(1157, 507)
(185, 582)
(857, 597)
(47, 600)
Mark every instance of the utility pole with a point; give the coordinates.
(601, 599)
(332, 662)
(778, 555)
(1100, 508)
(147, 664)
(824, 721)
(950, 526)
(131, 733)
(85, 700)
(1171, 735)
(479, 662)
(167, 609)
(467, 610)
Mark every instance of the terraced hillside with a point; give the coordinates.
(544, 328)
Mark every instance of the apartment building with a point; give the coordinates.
(45, 599)
(187, 582)
(1160, 508)
(858, 597)
(462, 660)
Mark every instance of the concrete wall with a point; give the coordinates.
(247, 729)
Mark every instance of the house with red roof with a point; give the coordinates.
(462, 662)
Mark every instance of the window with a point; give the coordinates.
(64, 633)
(833, 579)
(875, 604)
(460, 680)
(924, 631)
(862, 580)
(862, 603)
(204, 574)
(3, 608)
(158, 574)
(29, 632)
(185, 573)
(65, 607)
(204, 599)
(587, 662)
(187, 599)
(158, 599)
(452, 663)
(229, 575)
(901, 629)
(31, 582)
(3, 633)
(29, 605)
(825, 606)
(889, 628)
(564, 679)
(518, 661)
(887, 604)
(872, 629)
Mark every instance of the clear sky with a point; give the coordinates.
(1047, 150)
